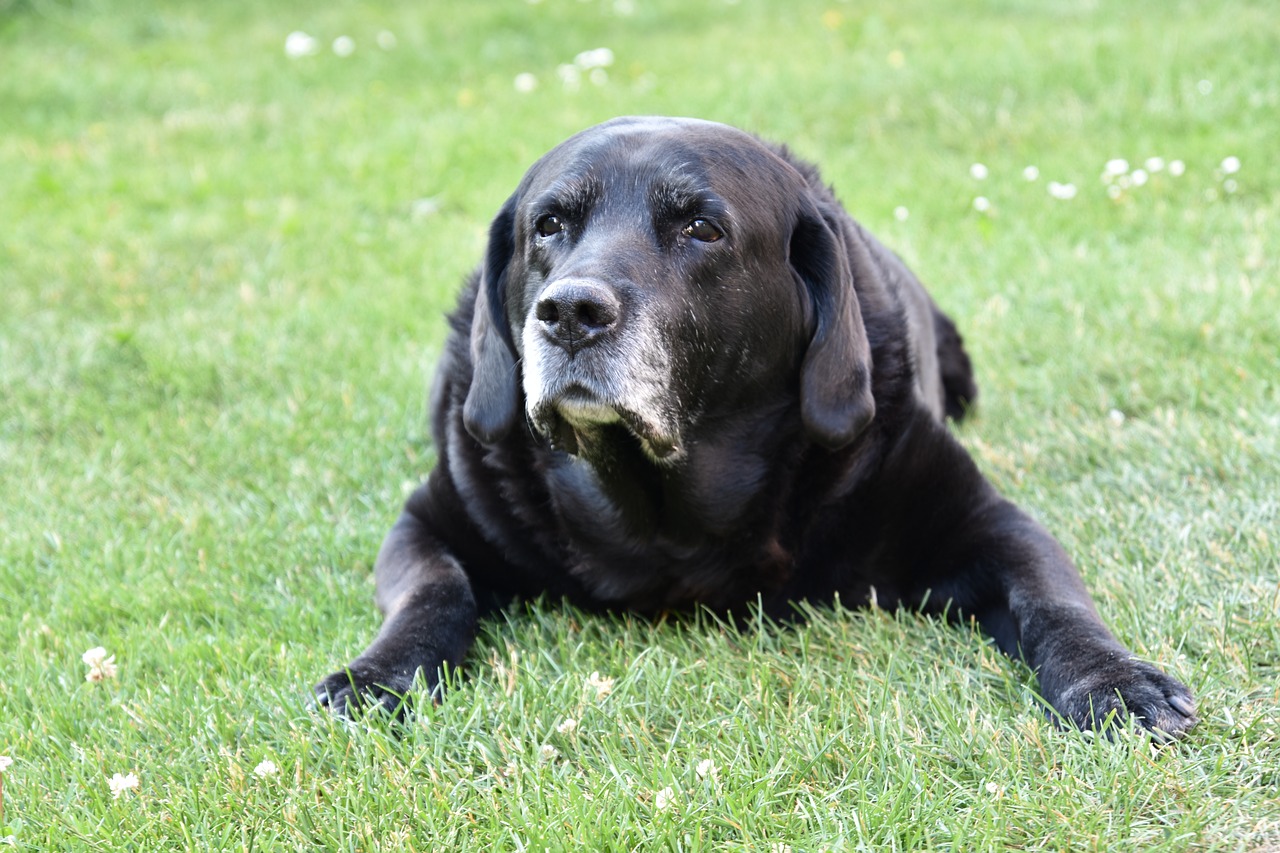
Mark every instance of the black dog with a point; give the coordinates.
(685, 376)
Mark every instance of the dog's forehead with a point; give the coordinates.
(643, 150)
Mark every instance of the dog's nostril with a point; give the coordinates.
(548, 311)
(596, 315)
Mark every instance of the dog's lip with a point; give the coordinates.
(576, 410)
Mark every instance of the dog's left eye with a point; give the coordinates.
(549, 225)
(703, 231)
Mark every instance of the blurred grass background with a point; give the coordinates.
(223, 272)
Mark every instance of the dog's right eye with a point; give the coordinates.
(549, 225)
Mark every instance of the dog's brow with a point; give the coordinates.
(572, 195)
(681, 195)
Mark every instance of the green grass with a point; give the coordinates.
(222, 278)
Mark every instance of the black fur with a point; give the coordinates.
(787, 443)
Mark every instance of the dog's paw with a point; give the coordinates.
(362, 687)
(1125, 691)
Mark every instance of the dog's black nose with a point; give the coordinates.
(576, 313)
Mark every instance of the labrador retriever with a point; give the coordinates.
(683, 376)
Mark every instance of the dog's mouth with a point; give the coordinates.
(576, 421)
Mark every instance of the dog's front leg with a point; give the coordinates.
(1039, 609)
(429, 611)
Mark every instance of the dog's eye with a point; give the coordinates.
(703, 231)
(549, 225)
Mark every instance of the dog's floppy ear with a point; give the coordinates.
(836, 403)
(493, 401)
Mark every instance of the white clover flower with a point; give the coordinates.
(1116, 417)
(265, 768)
(901, 214)
(1204, 87)
(101, 665)
(706, 769)
(386, 40)
(1230, 165)
(1139, 177)
(601, 57)
(1064, 192)
(298, 44)
(1116, 166)
(978, 172)
(570, 76)
(568, 726)
(5, 763)
(1031, 173)
(344, 46)
(982, 204)
(547, 752)
(120, 783)
(1154, 164)
(602, 686)
(1176, 168)
(663, 799)
(526, 82)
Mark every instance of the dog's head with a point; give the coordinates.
(659, 275)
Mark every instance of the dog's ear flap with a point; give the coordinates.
(493, 401)
(836, 402)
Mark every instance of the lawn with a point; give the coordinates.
(223, 272)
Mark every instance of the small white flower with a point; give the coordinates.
(344, 46)
(570, 76)
(602, 686)
(1229, 186)
(1139, 177)
(298, 44)
(1064, 192)
(601, 57)
(978, 172)
(1115, 191)
(526, 82)
(1031, 173)
(1204, 87)
(1177, 167)
(1231, 165)
(1116, 417)
(663, 799)
(386, 40)
(1154, 164)
(706, 768)
(120, 783)
(547, 752)
(5, 763)
(101, 665)
(568, 726)
(994, 790)
(421, 208)
(982, 204)
(900, 213)
(1117, 166)
(265, 768)
(598, 76)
